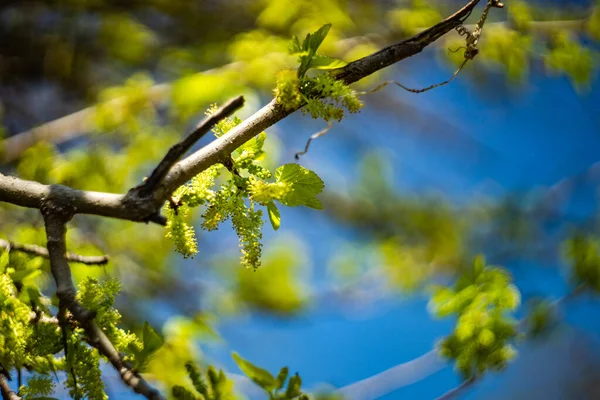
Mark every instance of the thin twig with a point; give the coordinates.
(384, 84)
(7, 392)
(55, 218)
(313, 137)
(7, 245)
(179, 149)
(452, 393)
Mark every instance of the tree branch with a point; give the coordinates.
(134, 207)
(33, 194)
(452, 393)
(179, 149)
(186, 169)
(55, 218)
(394, 378)
(7, 392)
(43, 252)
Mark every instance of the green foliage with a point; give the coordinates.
(120, 105)
(212, 385)
(520, 14)
(307, 52)
(125, 38)
(482, 299)
(420, 15)
(14, 326)
(568, 56)
(541, 318)
(38, 387)
(237, 198)
(325, 97)
(593, 22)
(178, 230)
(584, 255)
(294, 186)
(287, 92)
(151, 342)
(508, 48)
(279, 286)
(270, 384)
(83, 363)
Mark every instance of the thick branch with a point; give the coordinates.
(56, 218)
(7, 392)
(43, 252)
(179, 149)
(33, 194)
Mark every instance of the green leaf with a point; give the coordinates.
(293, 388)
(312, 42)
(261, 377)
(4, 259)
(19, 276)
(181, 393)
(274, 216)
(151, 339)
(197, 379)
(253, 147)
(326, 62)
(281, 377)
(304, 185)
(295, 47)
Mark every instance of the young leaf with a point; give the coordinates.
(325, 62)
(181, 393)
(197, 379)
(295, 47)
(304, 185)
(19, 276)
(261, 377)
(4, 259)
(152, 340)
(312, 42)
(293, 388)
(274, 216)
(281, 377)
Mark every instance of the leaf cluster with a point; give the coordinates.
(482, 300)
(324, 96)
(211, 385)
(274, 386)
(247, 186)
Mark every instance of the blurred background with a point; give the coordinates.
(504, 161)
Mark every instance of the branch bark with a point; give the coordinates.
(55, 218)
(43, 252)
(179, 149)
(7, 392)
